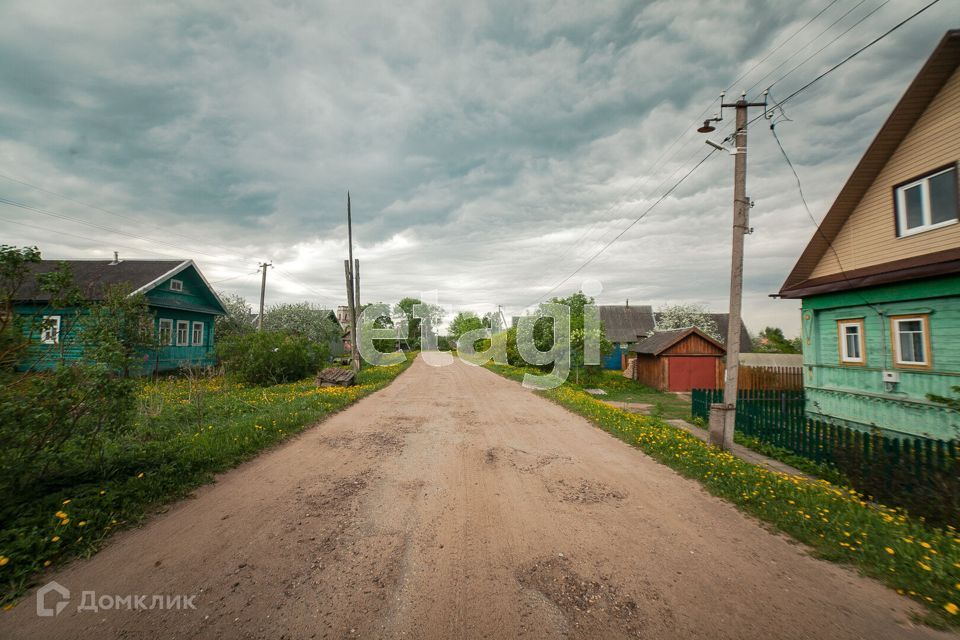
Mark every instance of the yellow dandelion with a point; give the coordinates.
(55, 539)
(4, 560)
(951, 608)
(889, 550)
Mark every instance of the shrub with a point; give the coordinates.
(53, 421)
(270, 357)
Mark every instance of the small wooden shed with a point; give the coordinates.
(679, 360)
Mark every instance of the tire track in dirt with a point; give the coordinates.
(455, 503)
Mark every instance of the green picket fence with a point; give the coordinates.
(918, 473)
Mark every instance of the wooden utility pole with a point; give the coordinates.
(353, 291)
(263, 292)
(357, 309)
(723, 417)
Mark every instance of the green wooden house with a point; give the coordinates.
(880, 282)
(183, 303)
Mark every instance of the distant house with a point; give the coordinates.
(880, 281)
(627, 324)
(678, 360)
(182, 301)
(624, 325)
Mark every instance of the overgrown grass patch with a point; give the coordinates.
(917, 560)
(187, 431)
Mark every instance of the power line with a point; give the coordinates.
(107, 211)
(664, 157)
(814, 39)
(628, 227)
(817, 225)
(853, 55)
(61, 216)
(818, 51)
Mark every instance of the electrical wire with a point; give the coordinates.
(628, 227)
(815, 38)
(851, 56)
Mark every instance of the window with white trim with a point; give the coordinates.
(911, 341)
(183, 333)
(927, 203)
(165, 336)
(850, 333)
(176, 285)
(197, 334)
(50, 330)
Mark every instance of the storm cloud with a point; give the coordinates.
(490, 147)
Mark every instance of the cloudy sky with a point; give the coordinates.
(491, 147)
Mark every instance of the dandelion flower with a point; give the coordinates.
(889, 550)
(55, 539)
(61, 515)
(951, 608)
(4, 560)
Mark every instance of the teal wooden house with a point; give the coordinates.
(880, 282)
(183, 303)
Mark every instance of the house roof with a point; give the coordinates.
(771, 359)
(723, 325)
(94, 277)
(660, 341)
(626, 324)
(939, 67)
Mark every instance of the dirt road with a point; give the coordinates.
(455, 504)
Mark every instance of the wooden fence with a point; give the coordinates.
(782, 378)
(920, 474)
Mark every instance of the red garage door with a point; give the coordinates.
(692, 373)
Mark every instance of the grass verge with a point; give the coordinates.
(187, 431)
(917, 560)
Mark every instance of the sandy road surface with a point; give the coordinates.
(455, 504)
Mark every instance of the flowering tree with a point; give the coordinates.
(684, 316)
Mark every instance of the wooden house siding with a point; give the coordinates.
(195, 302)
(855, 394)
(869, 235)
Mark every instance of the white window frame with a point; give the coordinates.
(193, 333)
(176, 285)
(165, 322)
(924, 340)
(186, 333)
(50, 334)
(927, 214)
(846, 358)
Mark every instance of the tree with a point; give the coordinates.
(579, 334)
(48, 420)
(271, 357)
(463, 322)
(119, 331)
(684, 316)
(237, 321)
(19, 331)
(772, 340)
(302, 319)
(406, 310)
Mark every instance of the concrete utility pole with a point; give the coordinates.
(263, 292)
(723, 417)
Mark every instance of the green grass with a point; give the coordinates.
(620, 389)
(186, 432)
(917, 560)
